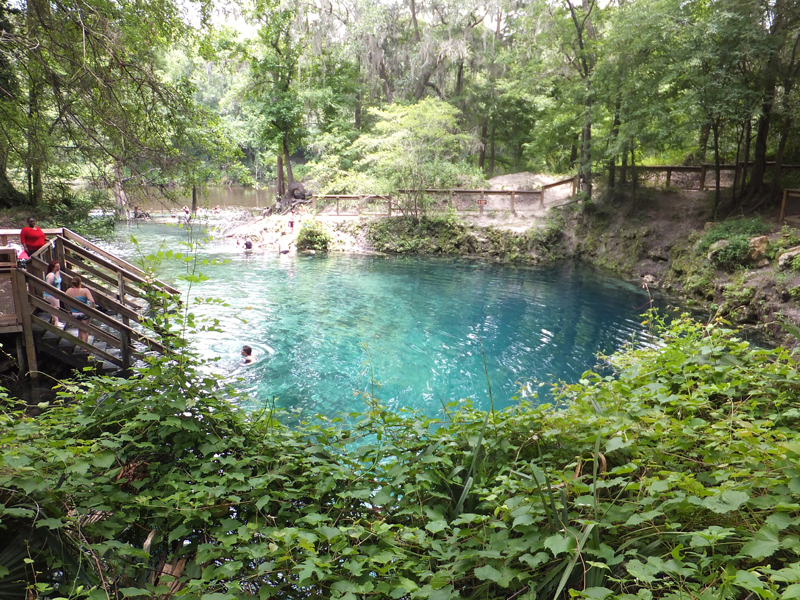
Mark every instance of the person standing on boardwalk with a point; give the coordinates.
(53, 277)
(32, 237)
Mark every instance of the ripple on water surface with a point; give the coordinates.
(319, 325)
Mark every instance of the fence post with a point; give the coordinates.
(314, 205)
(452, 199)
(337, 206)
(513, 208)
(389, 205)
(669, 176)
(481, 203)
(702, 178)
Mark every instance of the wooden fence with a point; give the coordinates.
(702, 171)
(348, 205)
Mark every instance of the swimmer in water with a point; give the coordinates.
(247, 354)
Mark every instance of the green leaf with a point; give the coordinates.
(50, 523)
(641, 518)
(558, 544)
(727, 501)
(764, 544)
(436, 526)
(488, 572)
(641, 571)
(748, 581)
(596, 592)
(617, 442)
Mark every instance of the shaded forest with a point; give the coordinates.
(355, 96)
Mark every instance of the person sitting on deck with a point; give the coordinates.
(53, 277)
(84, 295)
(32, 237)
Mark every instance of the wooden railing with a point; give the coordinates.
(118, 287)
(701, 170)
(792, 219)
(480, 198)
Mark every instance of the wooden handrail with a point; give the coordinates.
(42, 286)
(108, 296)
(129, 269)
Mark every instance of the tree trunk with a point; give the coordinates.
(776, 177)
(585, 171)
(289, 175)
(194, 199)
(623, 175)
(281, 184)
(491, 155)
(747, 138)
(612, 163)
(482, 151)
(772, 68)
(9, 196)
(702, 143)
(119, 192)
(717, 164)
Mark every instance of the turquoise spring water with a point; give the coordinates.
(320, 325)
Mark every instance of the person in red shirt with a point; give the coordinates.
(32, 237)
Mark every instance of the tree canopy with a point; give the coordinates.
(116, 92)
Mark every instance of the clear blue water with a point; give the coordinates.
(321, 324)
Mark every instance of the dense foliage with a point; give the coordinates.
(678, 478)
(129, 94)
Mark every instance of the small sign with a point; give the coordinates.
(481, 200)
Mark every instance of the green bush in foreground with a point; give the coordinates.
(679, 478)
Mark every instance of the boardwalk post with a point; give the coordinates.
(702, 178)
(513, 208)
(314, 205)
(669, 176)
(125, 343)
(337, 206)
(389, 206)
(783, 206)
(27, 327)
(482, 202)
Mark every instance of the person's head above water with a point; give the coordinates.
(247, 353)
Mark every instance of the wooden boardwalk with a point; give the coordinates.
(119, 334)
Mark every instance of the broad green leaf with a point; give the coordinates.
(558, 544)
(641, 571)
(488, 572)
(764, 544)
(725, 502)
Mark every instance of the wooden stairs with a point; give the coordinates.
(119, 334)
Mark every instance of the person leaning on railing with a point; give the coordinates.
(84, 295)
(32, 237)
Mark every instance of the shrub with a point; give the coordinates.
(734, 255)
(313, 235)
(677, 478)
(735, 228)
